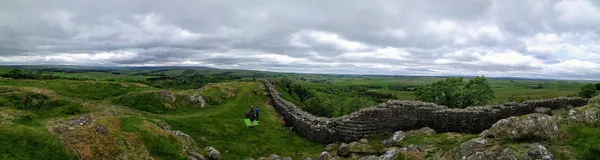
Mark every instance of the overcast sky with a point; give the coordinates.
(522, 38)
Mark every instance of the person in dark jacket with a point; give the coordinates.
(252, 116)
(257, 112)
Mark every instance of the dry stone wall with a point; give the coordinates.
(397, 115)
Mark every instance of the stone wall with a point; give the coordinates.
(397, 115)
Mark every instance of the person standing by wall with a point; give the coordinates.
(257, 112)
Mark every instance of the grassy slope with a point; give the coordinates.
(86, 90)
(31, 142)
(223, 128)
(218, 124)
(23, 133)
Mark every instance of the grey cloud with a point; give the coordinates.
(227, 33)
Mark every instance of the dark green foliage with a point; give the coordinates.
(187, 81)
(353, 104)
(161, 146)
(214, 96)
(597, 86)
(455, 93)
(593, 153)
(286, 83)
(539, 86)
(25, 142)
(320, 106)
(587, 91)
(301, 92)
(332, 101)
(149, 102)
(27, 74)
(397, 87)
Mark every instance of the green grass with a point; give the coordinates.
(583, 138)
(504, 89)
(40, 106)
(222, 127)
(161, 146)
(444, 141)
(88, 90)
(150, 102)
(29, 142)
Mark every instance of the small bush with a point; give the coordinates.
(587, 91)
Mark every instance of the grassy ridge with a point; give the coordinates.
(87, 90)
(222, 127)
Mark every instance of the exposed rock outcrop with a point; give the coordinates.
(390, 154)
(273, 157)
(197, 99)
(324, 156)
(470, 147)
(487, 134)
(588, 116)
(394, 140)
(372, 157)
(332, 147)
(167, 95)
(532, 127)
(213, 154)
(595, 101)
(505, 154)
(543, 110)
(539, 152)
(343, 150)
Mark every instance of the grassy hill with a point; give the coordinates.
(25, 127)
(118, 114)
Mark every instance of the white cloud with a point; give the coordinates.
(578, 12)
(303, 38)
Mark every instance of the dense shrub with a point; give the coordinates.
(587, 91)
(332, 101)
(455, 93)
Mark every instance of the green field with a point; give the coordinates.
(128, 104)
(503, 88)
